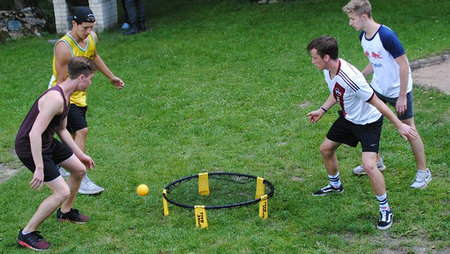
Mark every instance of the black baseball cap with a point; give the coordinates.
(83, 14)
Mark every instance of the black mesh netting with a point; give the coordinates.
(226, 190)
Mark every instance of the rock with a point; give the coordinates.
(15, 24)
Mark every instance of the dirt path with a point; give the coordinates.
(7, 172)
(433, 72)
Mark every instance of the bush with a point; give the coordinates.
(46, 7)
(7, 5)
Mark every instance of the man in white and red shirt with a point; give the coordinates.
(360, 120)
(391, 79)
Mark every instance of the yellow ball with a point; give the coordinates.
(142, 190)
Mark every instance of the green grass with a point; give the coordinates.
(225, 86)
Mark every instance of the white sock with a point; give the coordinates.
(382, 200)
(335, 181)
(25, 232)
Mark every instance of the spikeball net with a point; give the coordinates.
(217, 190)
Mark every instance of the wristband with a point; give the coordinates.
(323, 109)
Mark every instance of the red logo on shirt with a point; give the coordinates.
(338, 93)
(373, 55)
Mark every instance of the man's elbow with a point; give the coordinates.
(34, 134)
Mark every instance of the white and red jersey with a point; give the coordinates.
(352, 93)
(381, 50)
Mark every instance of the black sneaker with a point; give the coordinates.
(327, 190)
(73, 216)
(33, 241)
(386, 220)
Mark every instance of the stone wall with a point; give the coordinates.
(61, 10)
(16, 24)
(105, 12)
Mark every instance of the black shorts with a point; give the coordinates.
(392, 101)
(76, 119)
(59, 153)
(346, 132)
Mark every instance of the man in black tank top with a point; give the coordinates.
(40, 152)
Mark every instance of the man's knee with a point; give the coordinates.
(409, 121)
(326, 150)
(79, 172)
(82, 133)
(370, 168)
(63, 193)
(80, 137)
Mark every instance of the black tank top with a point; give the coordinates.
(23, 148)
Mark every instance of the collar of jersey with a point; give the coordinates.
(78, 45)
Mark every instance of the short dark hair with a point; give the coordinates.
(80, 66)
(325, 45)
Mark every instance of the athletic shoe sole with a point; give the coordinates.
(26, 245)
(384, 228)
(363, 173)
(90, 192)
(423, 187)
(71, 221)
(327, 193)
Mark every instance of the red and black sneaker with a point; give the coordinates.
(73, 216)
(33, 241)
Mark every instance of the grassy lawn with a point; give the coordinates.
(225, 86)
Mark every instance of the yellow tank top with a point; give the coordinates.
(78, 98)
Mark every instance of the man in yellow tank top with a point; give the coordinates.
(80, 41)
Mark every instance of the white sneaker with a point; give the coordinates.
(87, 187)
(359, 170)
(422, 179)
(64, 173)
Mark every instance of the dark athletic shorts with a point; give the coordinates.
(346, 132)
(392, 101)
(59, 153)
(76, 119)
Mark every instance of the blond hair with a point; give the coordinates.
(359, 7)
